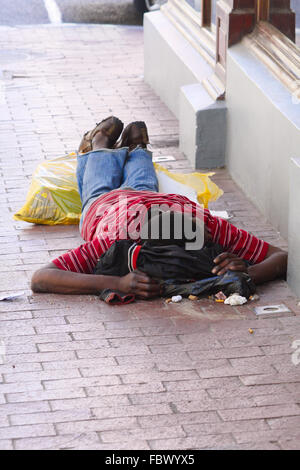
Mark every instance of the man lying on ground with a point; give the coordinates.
(117, 183)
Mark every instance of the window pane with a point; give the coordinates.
(196, 4)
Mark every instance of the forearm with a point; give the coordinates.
(273, 267)
(57, 281)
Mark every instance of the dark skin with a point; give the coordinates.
(51, 279)
(274, 266)
(54, 280)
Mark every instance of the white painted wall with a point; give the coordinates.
(263, 134)
(175, 70)
(294, 227)
(170, 60)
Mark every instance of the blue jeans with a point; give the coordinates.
(101, 171)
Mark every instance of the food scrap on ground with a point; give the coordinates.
(193, 297)
(254, 297)
(235, 299)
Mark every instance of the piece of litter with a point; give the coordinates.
(235, 299)
(176, 298)
(219, 300)
(250, 331)
(220, 295)
(168, 301)
(11, 296)
(222, 214)
(193, 297)
(163, 158)
(254, 297)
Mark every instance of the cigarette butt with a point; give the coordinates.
(168, 301)
(193, 297)
(250, 331)
(219, 300)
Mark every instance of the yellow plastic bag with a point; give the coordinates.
(204, 190)
(53, 196)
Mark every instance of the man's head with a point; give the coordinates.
(173, 228)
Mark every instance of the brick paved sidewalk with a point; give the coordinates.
(79, 374)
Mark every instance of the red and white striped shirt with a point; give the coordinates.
(120, 214)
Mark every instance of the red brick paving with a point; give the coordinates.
(81, 375)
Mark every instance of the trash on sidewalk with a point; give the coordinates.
(53, 197)
(14, 296)
(235, 299)
(198, 187)
(193, 297)
(163, 158)
(222, 214)
(176, 298)
(220, 297)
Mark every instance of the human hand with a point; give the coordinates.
(229, 262)
(140, 284)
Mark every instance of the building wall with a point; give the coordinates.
(293, 276)
(263, 135)
(262, 121)
(175, 70)
(170, 60)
